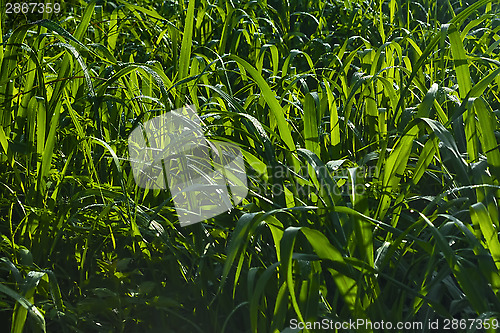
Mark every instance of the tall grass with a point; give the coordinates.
(370, 132)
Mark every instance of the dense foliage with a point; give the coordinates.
(370, 132)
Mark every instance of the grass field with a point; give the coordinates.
(370, 134)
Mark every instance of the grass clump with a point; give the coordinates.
(370, 132)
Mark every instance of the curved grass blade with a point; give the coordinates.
(267, 93)
(32, 310)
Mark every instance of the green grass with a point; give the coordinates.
(370, 133)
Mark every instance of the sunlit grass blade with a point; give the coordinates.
(270, 98)
(311, 135)
(486, 124)
(394, 168)
(482, 219)
(185, 55)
